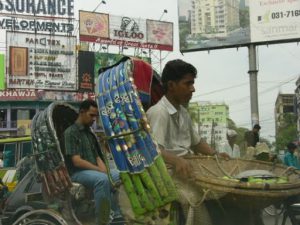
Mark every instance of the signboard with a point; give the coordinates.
(2, 72)
(274, 21)
(125, 31)
(37, 7)
(40, 24)
(18, 94)
(41, 95)
(38, 61)
(219, 24)
(86, 61)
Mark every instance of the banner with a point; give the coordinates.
(160, 33)
(2, 72)
(86, 63)
(125, 31)
(207, 25)
(274, 20)
(38, 61)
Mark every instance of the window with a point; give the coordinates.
(3, 118)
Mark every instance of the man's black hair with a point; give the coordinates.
(86, 104)
(256, 126)
(175, 70)
(291, 146)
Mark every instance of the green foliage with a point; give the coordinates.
(184, 31)
(287, 131)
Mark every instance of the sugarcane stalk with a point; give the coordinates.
(143, 197)
(150, 186)
(161, 166)
(137, 208)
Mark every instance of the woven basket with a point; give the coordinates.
(209, 176)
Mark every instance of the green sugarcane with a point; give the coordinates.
(156, 176)
(133, 198)
(139, 187)
(149, 184)
(160, 164)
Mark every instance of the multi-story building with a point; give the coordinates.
(284, 104)
(210, 121)
(214, 18)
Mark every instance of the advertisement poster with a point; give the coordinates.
(93, 26)
(205, 25)
(86, 61)
(18, 61)
(274, 20)
(125, 31)
(161, 33)
(47, 62)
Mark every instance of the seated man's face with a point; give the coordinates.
(183, 89)
(89, 116)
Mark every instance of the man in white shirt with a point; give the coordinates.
(173, 131)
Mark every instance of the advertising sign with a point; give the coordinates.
(276, 20)
(207, 25)
(35, 24)
(86, 61)
(38, 61)
(37, 7)
(2, 72)
(17, 94)
(125, 31)
(93, 25)
(160, 33)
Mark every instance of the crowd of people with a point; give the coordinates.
(172, 129)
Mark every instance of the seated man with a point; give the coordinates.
(88, 168)
(173, 130)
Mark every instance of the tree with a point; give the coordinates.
(287, 131)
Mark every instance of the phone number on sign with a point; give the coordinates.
(286, 14)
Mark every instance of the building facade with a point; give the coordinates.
(214, 18)
(210, 120)
(285, 103)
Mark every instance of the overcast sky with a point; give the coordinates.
(223, 74)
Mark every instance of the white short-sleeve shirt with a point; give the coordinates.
(171, 128)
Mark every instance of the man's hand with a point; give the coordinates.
(183, 168)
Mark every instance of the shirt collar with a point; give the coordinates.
(171, 109)
(80, 126)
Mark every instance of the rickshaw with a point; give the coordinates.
(47, 196)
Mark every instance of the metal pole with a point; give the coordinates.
(253, 84)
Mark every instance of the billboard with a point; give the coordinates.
(212, 24)
(39, 61)
(125, 31)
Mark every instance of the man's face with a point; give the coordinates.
(89, 116)
(183, 89)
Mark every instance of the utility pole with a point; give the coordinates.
(253, 84)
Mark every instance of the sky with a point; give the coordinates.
(222, 74)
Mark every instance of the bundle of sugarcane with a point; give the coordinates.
(143, 171)
(47, 152)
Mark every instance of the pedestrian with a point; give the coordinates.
(172, 129)
(229, 146)
(87, 164)
(290, 159)
(252, 137)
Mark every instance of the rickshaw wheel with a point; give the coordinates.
(42, 217)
